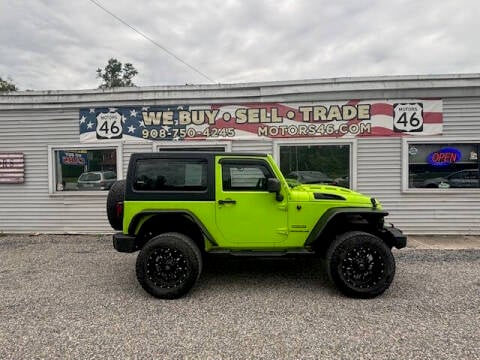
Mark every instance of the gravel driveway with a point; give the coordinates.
(75, 297)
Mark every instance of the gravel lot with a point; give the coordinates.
(75, 297)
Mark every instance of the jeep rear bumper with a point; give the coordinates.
(124, 243)
(395, 237)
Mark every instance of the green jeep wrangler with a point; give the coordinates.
(176, 207)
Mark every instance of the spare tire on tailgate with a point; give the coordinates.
(115, 198)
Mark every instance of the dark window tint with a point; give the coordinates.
(171, 175)
(245, 177)
(109, 175)
(89, 177)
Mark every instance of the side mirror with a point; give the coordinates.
(273, 185)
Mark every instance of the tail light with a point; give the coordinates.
(119, 209)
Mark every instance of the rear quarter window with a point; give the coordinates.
(170, 175)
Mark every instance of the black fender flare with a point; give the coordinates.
(332, 213)
(184, 213)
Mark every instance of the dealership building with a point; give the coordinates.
(412, 142)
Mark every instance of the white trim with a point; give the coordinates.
(432, 140)
(352, 142)
(51, 166)
(189, 144)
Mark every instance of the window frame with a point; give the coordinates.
(52, 191)
(430, 140)
(185, 144)
(351, 142)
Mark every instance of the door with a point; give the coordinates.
(246, 213)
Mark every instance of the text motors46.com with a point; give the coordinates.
(303, 130)
(315, 130)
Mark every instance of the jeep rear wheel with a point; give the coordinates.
(169, 265)
(115, 198)
(360, 264)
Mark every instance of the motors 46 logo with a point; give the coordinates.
(109, 125)
(408, 117)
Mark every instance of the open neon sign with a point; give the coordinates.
(444, 157)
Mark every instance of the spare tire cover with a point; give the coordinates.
(116, 194)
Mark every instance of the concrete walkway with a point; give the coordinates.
(443, 242)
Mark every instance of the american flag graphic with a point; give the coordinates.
(403, 117)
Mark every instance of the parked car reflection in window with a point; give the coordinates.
(459, 179)
(310, 177)
(96, 180)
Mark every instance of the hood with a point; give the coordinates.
(319, 192)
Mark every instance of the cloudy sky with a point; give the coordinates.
(58, 44)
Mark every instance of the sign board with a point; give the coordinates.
(444, 157)
(12, 167)
(253, 121)
(71, 158)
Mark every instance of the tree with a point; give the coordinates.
(115, 74)
(6, 85)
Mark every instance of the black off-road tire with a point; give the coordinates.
(169, 265)
(360, 264)
(116, 194)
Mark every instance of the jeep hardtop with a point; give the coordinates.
(176, 207)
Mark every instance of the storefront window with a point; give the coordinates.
(316, 164)
(79, 169)
(443, 165)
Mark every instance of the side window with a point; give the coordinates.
(171, 175)
(245, 177)
(460, 175)
(472, 175)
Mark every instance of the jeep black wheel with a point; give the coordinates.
(115, 198)
(360, 264)
(169, 265)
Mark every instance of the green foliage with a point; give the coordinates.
(6, 85)
(115, 74)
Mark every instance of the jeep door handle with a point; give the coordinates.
(227, 201)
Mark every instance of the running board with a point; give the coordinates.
(261, 253)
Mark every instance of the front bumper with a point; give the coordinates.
(395, 237)
(124, 243)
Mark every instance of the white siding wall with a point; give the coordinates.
(265, 147)
(129, 149)
(379, 174)
(461, 117)
(29, 207)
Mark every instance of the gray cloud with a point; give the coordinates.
(55, 44)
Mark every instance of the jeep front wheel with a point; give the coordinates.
(360, 264)
(169, 265)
